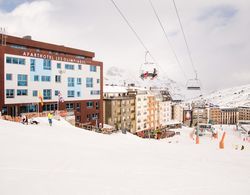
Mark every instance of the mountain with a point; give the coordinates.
(231, 97)
(121, 77)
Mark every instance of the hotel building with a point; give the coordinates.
(29, 68)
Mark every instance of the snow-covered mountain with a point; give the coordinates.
(231, 97)
(121, 77)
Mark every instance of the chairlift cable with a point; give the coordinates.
(185, 39)
(166, 36)
(131, 28)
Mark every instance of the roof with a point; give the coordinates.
(114, 89)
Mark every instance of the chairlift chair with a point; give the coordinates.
(148, 69)
(194, 84)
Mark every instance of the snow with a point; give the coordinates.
(231, 97)
(62, 159)
(114, 89)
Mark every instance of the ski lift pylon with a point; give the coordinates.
(148, 69)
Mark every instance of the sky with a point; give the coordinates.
(217, 34)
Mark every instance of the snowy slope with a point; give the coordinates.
(232, 97)
(66, 160)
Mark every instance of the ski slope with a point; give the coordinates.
(63, 160)
(231, 97)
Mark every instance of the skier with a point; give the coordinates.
(50, 116)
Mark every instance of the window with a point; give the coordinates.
(97, 105)
(46, 64)
(32, 65)
(78, 107)
(98, 81)
(79, 67)
(10, 93)
(71, 82)
(8, 60)
(69, 66)
(71, 93)
(69, 106)
(89, 82)
(13, 60)
(46, 78)
(94, 92)
(56, 92)
(90, 104)
(58, 78)
(92, 68)
(79, 81)
(35, 93)
(36, 77)
(78, 94)
(21, 61)
(9, 77)
(22, 92)
(47, 94)
(59, 65)
(50, 107)
(22, 80)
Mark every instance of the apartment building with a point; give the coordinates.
(214, 115)
(199, 115)
(119, 108)
(29, 68)
(244, 114)
(177, 112)
(229, 116)
(141, 110)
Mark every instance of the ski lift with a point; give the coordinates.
(148, 69)
(194, 84)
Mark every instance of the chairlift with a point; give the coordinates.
(148, 69)
(194, 84)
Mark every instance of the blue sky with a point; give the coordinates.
(9, 5)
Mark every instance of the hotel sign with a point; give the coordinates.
(54, 57)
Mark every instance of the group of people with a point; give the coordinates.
(26, 121)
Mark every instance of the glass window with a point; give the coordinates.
(15, 60)
(22, 92)
(71, 93)
(78, 94)
(71, 82)
(46, 64)
(69, 66)
(90, 104)
(89, 82)
(10, 93)
(58, 78)
(8, 77)
(46, 78)
(98, 80)
(47, 94)
(79, 81)
(22, 80)
(69, 106)
(79, 67)
(21, 61)
(59, 65)
(32, 65)
(56, 92)
(92, 68)
(94, 92)
(36, 77)
(8, 60)
(35, 93)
